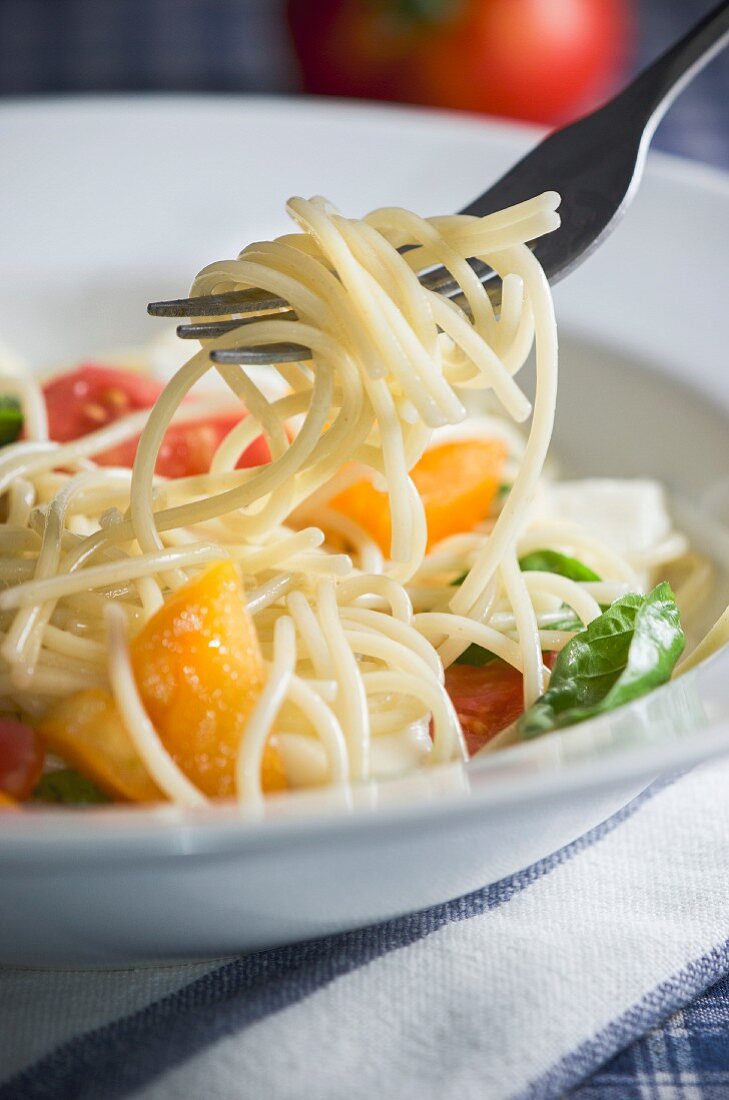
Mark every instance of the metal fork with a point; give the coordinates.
(595, 164)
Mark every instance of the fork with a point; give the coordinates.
(596, 165)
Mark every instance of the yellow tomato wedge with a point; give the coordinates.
(273, 775)
(87, 731)
(457, 483)
(7, 803)
(200, 672)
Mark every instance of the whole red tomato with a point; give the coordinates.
(543, 60)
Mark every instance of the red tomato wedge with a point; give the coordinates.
(21, 758)
(92, 396)
(188, 447)
(83, 400)
(487, 699)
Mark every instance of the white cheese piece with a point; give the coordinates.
(629, 516)
(391, 754)
(304, 760)
(402, 752)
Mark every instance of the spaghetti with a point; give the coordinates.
(356, 625)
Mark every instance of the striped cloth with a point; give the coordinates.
(685, 1059)
(523, 989)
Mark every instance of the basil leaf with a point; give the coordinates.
(569, 622)
(551, 561)
(69, 787)
(11, 420)
(626, 652)
(477, 656)
(547, 561)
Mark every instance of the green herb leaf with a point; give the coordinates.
(626, 652)
(11, 420)
(547, 561)
(69, 787)
(569, 622)
(476, 655)
(551, 561)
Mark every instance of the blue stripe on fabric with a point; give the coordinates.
(651, 1010)
(687, 1055)
(113, 1060)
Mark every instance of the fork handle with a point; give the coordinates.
(657, 86)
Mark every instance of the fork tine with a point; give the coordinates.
(440, 280)
(252, 300)
(263, 355)
(207, 330)
(256, 302)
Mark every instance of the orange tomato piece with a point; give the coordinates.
(457, 483)
(7, 804)
(273, 775)
(200, 672)
(87, 731)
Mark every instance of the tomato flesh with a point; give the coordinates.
(92, 396)
(188, 447)
(487, 698)
(544, 60)
(21, 758)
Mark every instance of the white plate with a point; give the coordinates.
(106, 204)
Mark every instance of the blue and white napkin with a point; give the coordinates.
(522, 989)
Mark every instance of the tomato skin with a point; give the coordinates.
(542, 60)
(21, 758)
(88, 398)
(348, 47)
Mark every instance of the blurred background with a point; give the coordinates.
(540, 60)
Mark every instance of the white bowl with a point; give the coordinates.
(108, 203)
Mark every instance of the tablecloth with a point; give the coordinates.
(523, 989)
